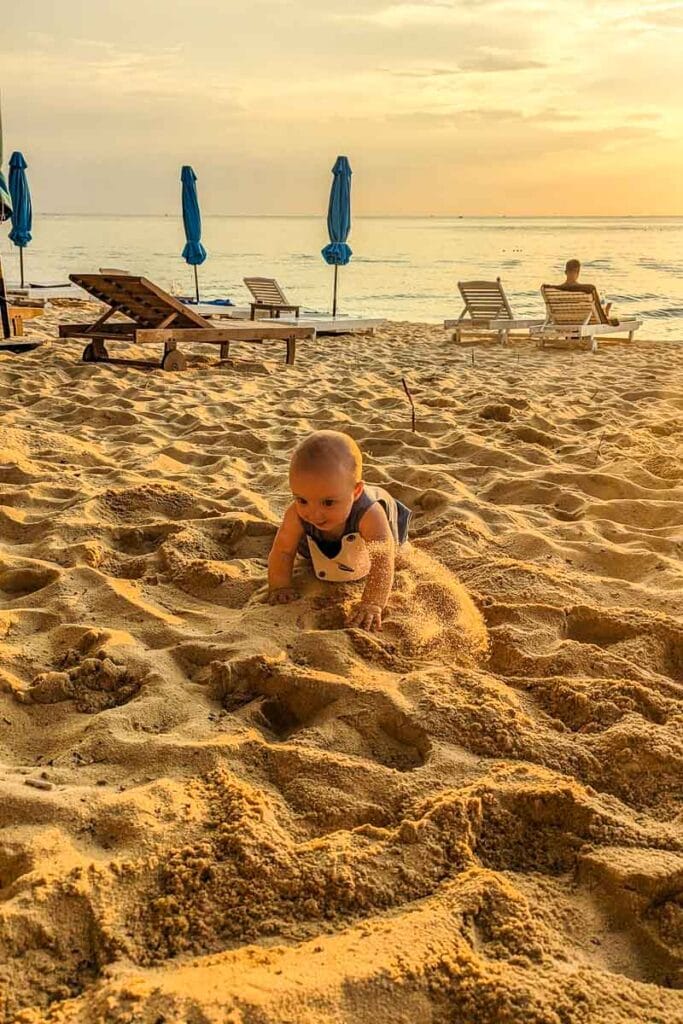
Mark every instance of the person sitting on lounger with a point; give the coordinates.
(345, 528)
(572, 284)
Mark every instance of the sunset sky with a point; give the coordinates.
(475, 107)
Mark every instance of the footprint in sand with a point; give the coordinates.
(291, 703)
(634, 636)
(23, 581)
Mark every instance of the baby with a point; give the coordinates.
(347, 529)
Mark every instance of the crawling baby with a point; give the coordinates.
(346, 528)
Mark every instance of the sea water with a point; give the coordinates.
(403, 268)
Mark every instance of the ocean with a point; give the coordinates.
(403, 268)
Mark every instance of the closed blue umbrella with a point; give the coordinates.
(194, 252)
(338, 253)
(22, 214)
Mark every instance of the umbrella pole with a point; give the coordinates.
(21, 265)
(196, 284)
(334, 297)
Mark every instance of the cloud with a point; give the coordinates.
(548, 127)
(645, 115)
(480, 61)
(102, 92)
(667, 17)
(402, 15)
(424, 73)
(464, 117)
(497, 60)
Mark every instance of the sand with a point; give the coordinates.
(217, 811)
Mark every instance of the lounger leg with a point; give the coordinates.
(18, 326)
(291, 350)
(173, 359)
(225, 350)
(95, 352)
(630, 335)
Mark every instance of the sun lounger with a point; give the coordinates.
(155, 317)
(571, 316)
(12, 316)
(19, 312)
(487, 314)
(599, 314)
(268, 297)
(322, 323)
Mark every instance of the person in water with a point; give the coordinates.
(348, 529)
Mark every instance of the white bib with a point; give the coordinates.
(351, 563)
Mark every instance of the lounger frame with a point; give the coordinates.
(487, 315)
(571, 316)
(13, 312)
(268, 297)
(155, 317)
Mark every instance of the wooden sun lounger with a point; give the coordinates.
(487, 314)
(268, 296)
(155, 317)
(18, 312)
(571, 316)
(13, 312)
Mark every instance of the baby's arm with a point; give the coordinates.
(281, 558)
(375, 530)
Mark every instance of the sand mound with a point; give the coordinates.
(217, 811)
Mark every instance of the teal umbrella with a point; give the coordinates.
(338, 253)
(22, 213)
(194, 252)
(5, 200)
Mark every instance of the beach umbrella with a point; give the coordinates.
(22, 214)
(5, 200)
(338, 253)
(194, 252)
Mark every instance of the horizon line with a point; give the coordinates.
(378, 216)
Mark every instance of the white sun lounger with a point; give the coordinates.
(268, 298)
(322, 322)
(572, 316)
(487, 314)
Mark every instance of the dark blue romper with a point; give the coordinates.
(397, 514)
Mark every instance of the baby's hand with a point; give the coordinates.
(366, 616)
(283, 595)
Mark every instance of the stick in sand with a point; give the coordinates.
(410, 399)
(597, 454)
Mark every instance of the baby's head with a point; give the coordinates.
(325, 475)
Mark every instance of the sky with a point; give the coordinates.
(480, 107)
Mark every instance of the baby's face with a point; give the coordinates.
(324, 497)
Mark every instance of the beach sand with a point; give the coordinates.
(218, 812)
